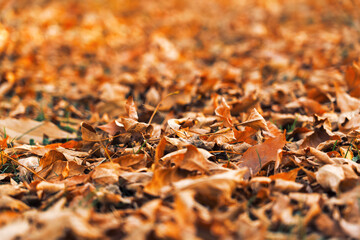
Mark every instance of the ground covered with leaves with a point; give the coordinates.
(180, 119)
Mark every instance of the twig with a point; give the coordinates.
(158, 106)
(30, 170)
(220, 151)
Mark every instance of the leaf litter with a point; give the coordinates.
(179, 120)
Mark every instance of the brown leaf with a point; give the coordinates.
(328, 226)
(10, 190)
(72, 144)
(112, 128)
(30, 162)
(55, 222)
(312, 106)
(163, 177)
(194, 160)
(256, 121)
(345, 102)
(245, 136)
(106, 173)
(61, 170)
(283, 119)
(49, 158)
(5, 176)
(88, 133)
(273, 129)
(352, 78)
(320, 156)
(286, 185)
(223, 111)
(135, 180)
(346, 152)
(7, 202)
(176, 127)
(4, 37)
(245, 103)
(261, 154)
(330, 176)
(131, 108)
(318, 136)
(214, 190)
(48, 187)
(289, 176)
(22, 130)
(135, 161)
(349, 121)
(351, 229)
(159, 151)
(54, 166)
(152, 97)
(134, 126)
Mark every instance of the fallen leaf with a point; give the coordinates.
(345, 102)
(289, 176)
(320, 156)
(312, 106)
(23, 130)
(318, 136)
(7, 202)
(351, 229)
(213, 190)
(106, 173)
(88, 133)
(352, 78)
(163, 177)
(286, 185)
(131, 108)
(328, 226)
(135, 161)
(195, 160)
(259, 155)
(223, 111)
(134, 126)
(330, 176)
(256, 121)
(246, 135)
(113, 128)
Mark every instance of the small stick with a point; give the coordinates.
(158, 106)
(30, 170)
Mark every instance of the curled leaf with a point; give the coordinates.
(256, 121)
(131, 108)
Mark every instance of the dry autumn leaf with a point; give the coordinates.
(352, 78)
(330, 176)
(223, 111)
(131, 108)
(25, 130)
(259, 155)
(255, 121)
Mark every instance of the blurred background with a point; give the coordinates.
(82, 59)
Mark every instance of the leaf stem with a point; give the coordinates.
(158, 106)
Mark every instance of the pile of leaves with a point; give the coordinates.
(179, 119)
